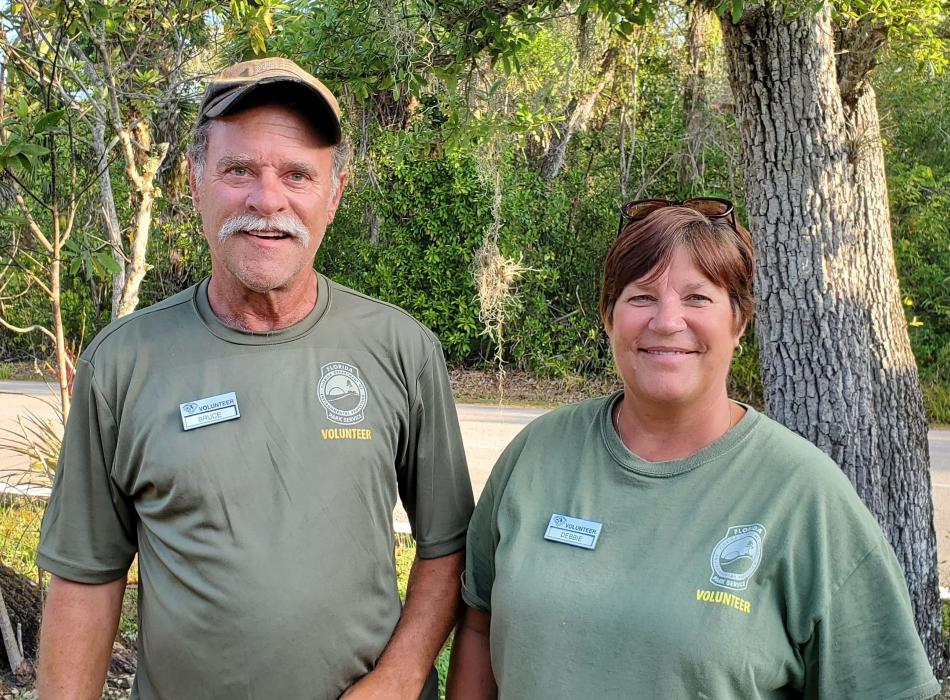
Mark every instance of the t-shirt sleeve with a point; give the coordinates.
(483, 534)
(89, 528)
(865, 645)
(479, 575)
(434, 486)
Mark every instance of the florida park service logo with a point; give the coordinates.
(342, 393)
(736, 557)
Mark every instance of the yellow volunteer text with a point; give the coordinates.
(346, 433)
(723, 598)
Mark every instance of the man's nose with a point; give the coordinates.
(267, 197)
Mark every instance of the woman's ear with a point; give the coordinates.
(739, 333)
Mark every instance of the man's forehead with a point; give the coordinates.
(269, 122)
(294, 162)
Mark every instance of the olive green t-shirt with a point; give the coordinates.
(748, 570)
(255, 475)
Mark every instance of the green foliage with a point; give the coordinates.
(434, 210)
(20, 520)
(916, 28)
(745, 378)
(915, 122)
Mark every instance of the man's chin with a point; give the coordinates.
(262, 282)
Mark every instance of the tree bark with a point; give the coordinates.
(903, 451)
(835, 354)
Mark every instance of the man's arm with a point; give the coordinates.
(470, 672)
(78, 629)
(432, 603)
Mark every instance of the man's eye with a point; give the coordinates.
(297, 177)
(238, 170)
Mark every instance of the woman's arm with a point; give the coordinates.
(470, 674)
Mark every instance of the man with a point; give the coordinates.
(248, 437)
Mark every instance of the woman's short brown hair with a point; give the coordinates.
(645, 248)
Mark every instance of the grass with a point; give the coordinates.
(25, 371)
(936, 400)
(20, 520)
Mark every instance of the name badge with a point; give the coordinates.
(214, 409)
(573, 531)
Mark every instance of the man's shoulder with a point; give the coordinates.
(376, 315)
(154, 321)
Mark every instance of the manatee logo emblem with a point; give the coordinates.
(342, 393)
(190, 407)
(736, 557)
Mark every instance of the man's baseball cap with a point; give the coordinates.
(272, 80)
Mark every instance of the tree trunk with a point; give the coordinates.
(12, 645)
(110, 217)
(56, 303)
(23, 603)
(695, 105)
(836, 360)
(903, 452)
(576, 116)
(148, 192)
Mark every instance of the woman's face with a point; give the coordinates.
(673, 337)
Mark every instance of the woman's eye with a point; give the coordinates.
(641, 299)
(698, 298)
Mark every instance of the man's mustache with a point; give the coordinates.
(288, 223)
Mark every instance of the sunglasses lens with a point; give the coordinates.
(642, 208)
(709, 207)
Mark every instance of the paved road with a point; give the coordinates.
(939, 449)
(486, 430)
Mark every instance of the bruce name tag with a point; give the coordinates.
(573, 531)
(214, 409)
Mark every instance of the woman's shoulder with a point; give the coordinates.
(788, 450)
(582, 413)
(551, 431)
(569, 422)
(794, 465)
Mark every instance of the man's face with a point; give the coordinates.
(265, 198)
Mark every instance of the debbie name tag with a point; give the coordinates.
(214, 409)
(573, 531)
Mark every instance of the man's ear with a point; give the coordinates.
(192, 184)
(337, 197)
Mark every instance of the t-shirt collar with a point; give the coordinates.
(674, 467)
(241, 337)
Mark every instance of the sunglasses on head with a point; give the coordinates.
(711, 207)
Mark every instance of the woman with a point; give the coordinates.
(667, 542)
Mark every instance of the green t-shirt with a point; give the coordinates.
(264, 530)
(748, 570)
